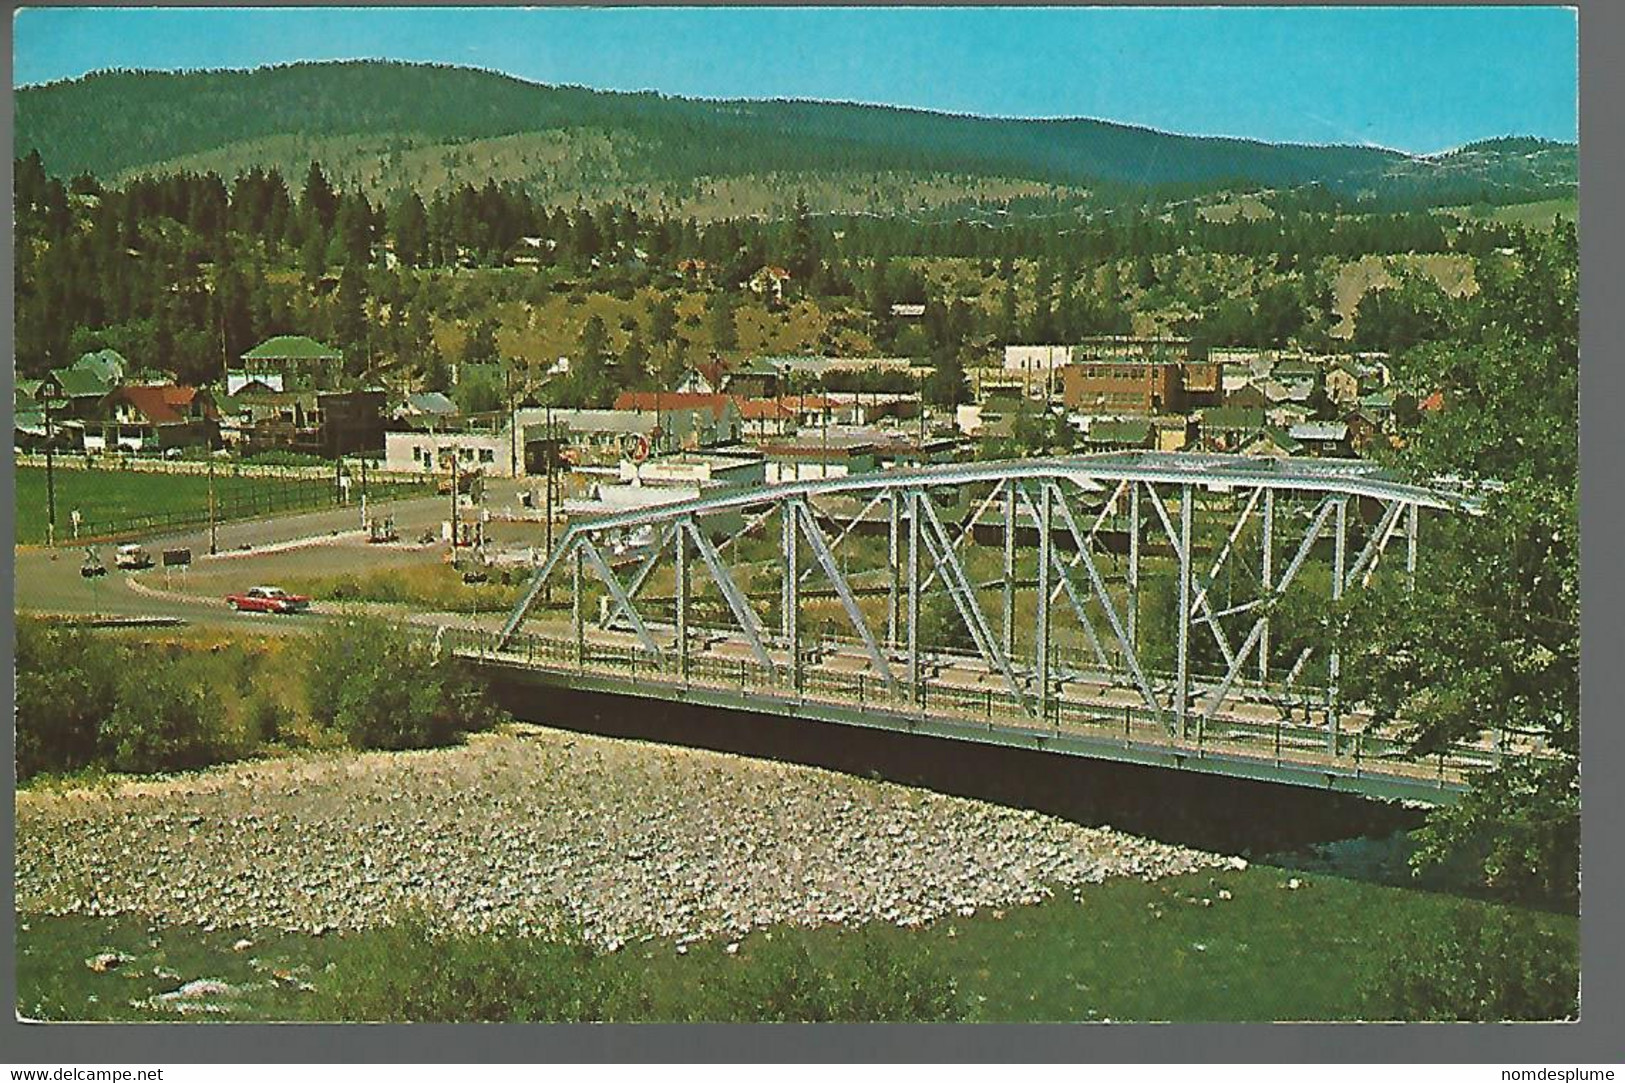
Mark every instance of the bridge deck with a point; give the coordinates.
(1084, 718)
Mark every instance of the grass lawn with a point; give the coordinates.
(1123, 950)
(129, 502)
(437, 587)
(1538, 215)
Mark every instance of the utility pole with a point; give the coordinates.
(50, 478)
(824, 471)
(213, 548)
(551, 451)
(922, 418)
(513, 423)
(454, 505)
(550, 448)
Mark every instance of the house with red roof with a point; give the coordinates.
(767, 417)
(156, 416)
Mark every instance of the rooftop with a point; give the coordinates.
(292, 347)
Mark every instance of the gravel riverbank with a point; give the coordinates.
(526, 828)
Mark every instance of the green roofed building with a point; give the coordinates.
(1225, 428)
(80, 388)
(1118, 435)
(109, 365)
(294, 363)
(758, 379)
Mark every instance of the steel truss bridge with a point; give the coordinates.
(1131, 607)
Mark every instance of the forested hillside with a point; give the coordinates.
(385, 126)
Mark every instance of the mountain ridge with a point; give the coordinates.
(121, 122)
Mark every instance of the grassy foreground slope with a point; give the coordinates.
(1234, 946)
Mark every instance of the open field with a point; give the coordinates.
(129, 502)
(1452, 274)
(1537, 215)
(117, 504)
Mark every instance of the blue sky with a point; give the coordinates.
(1414, 79)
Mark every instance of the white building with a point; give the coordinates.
(668, 480)
(424, 452)
(1036, 358)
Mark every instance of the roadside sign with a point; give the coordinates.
(177, 558)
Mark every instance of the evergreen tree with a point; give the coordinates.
(350, 326)
(662, 320)
(632, 370)
(313, 258)
(318, 202)
(801, 258)
(409, 226)
(481, 345)
(354, 229)
(721, 322)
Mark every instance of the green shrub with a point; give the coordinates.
(412, 973)
(269, 719)
(1489, 964)
(381, 688)
(345, 588)
(67, 686)
(865, 979)
(285, 458)
(162, 724)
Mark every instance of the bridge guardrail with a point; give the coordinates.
(1359, 752)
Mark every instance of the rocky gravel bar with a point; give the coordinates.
(528, 829)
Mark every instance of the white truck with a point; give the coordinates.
(132, 558)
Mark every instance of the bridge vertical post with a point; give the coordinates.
(893, 563)
(914, 595)
(1267, 561)
(1009, 626)
(1041, 633)
(577, 625)
(789, 508)
(1410, 547)
(1334, 662)
(680, 590)
(1187, 512)
(1134, 565)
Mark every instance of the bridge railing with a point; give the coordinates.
(1360, 752)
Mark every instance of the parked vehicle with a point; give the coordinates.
(267, 600)
(132, 558)
(92, 565)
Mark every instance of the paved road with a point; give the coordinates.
(48, 581)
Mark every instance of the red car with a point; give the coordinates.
(267, 600)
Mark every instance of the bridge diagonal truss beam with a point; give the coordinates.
(1130, 655)
(826, 559)
(749, 622)
(963, 596)
(618, 593)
